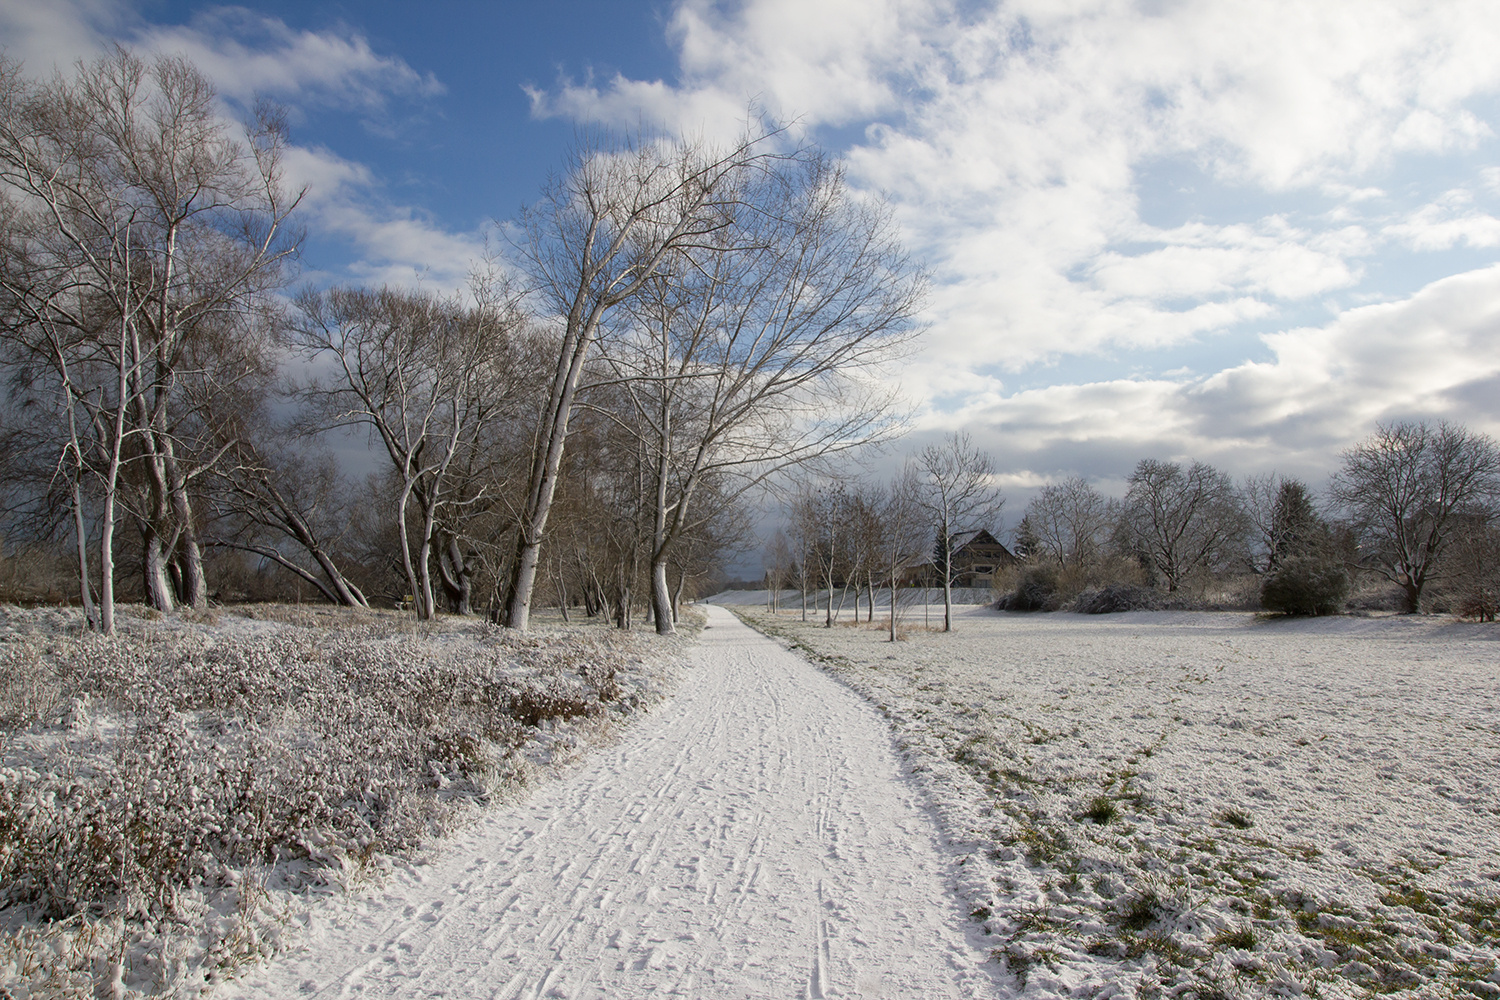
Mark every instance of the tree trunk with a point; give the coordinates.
(107, 560)
(80, 529)
(194, 584)
(523, 582)
(408, 564)
(947, 579)
(661, 598)
(154, 570)
(893, 600)
(1411, 597)
(562, 592)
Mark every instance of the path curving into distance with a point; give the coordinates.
(754, 837)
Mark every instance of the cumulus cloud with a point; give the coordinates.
(1448, 221)
(248, 55)
(394, 244)
(826, 62)
(50, 37)
(1429, 356)
(1014, 142)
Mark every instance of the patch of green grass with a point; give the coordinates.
(1141, 910)
(1021, 960)
(1101, 810)
(1415, 899)
(1239, 937)
(1237, 818)
(1042, 845)
(1036, 918)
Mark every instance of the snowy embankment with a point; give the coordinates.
(756, 837)
(1209, 804)
(171, 798)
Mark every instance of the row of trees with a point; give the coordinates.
(673, 326)
(848, 534)
(1414, 504)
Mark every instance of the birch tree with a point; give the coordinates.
(428, 378)
(750, 353)
(954, 488)
(143, 226)
(602, 231)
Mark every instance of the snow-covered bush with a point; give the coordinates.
(1306, 585)
(142, 776)
(1116, 597)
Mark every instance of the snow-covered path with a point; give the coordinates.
(755, 838)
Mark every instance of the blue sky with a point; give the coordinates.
(1245, 232)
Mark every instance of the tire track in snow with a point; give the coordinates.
(754, 838)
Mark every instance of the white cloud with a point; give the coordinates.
(52, 36)
(393, 244)
(825, 62)
(248, 54)
(1447, 222)
(1430, 356)
(1009, 139)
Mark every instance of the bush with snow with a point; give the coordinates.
(1306, 585)
(145, 780)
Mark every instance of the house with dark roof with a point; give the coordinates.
(977, 556)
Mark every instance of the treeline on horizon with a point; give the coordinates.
(1410, 522)
(669, 328)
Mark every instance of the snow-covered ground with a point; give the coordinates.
(909, 599)
(754, 837)
(1209, 804)
(169, 797)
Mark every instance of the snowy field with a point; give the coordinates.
(1206, 804)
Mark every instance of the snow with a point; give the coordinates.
(224, 772)
(909, 599)
(1278, 806)
(756, 836)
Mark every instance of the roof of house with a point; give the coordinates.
(979, 536)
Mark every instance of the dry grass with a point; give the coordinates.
(145, 780)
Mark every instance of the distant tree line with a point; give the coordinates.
(1414, 509)
(1415, 505)
(674, 325)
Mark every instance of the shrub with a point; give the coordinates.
(222, 753)
(1036, 589)
(1306, 585)
(1116, 597)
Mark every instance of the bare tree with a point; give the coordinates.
(269, 494)
(1070, 523)
(1182, 521)
(147, 237)
(904, 536)
(1404, 491)
(955, 490)
(1471, 567)
(601, 233)
(429, 378)
(780, 565)
(746, 355)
